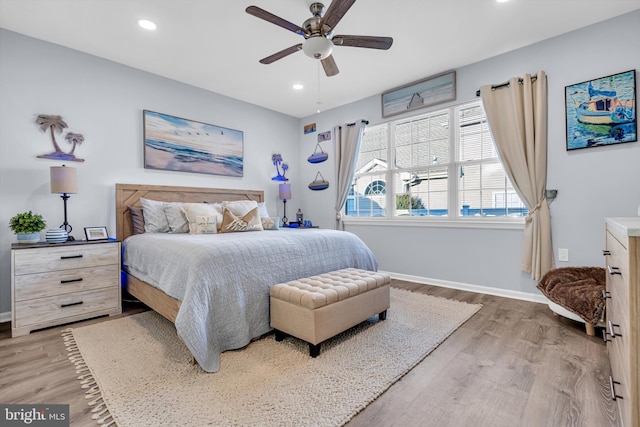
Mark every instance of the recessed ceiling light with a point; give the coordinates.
(298, 86)
(147, 25)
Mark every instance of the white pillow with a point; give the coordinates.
(175, 217)
(155, 220)
(262, 210)
(240, 207)
(204, 225)
(194, 210)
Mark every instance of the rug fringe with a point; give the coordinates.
(98, 406)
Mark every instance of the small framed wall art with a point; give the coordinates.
(601, 111)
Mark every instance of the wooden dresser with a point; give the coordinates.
(52, 284)
(622, 330)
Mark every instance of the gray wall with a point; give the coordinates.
(104, 101)
(592, 183)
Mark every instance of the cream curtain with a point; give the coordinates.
(517, 116)
(346, 144)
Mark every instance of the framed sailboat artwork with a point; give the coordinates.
(601, 111)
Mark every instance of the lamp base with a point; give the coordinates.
(284, 214)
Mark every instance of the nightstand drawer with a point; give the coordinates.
(39, 285)
(39, 260)
(58, 307)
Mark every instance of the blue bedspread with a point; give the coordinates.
(223, 280)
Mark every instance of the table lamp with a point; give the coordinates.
(64, 181)
(284, 194)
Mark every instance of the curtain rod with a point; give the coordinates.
(506, 84)
(366, 122)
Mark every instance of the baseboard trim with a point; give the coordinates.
(525, 296)
(6, 316)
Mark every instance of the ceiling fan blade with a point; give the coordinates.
(335, 12)
(270, 17)
(329, 65)
(370, 42)
(281, 54)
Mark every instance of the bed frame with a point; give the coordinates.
(130, 194)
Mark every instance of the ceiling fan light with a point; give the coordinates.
(317, 47)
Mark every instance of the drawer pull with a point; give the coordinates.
(605, 295)
(80, 280)
(606, 252)
(613, 270)
(612, 388)
(71, 256)
(71, 304)
(604, 336)
(613, 334)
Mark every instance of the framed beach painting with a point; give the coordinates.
(601, 111)
(177, 144)
(423, 93)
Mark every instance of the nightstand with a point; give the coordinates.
(56, 283)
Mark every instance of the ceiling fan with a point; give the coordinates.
(318, 33)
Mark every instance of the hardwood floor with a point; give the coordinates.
(512, 364)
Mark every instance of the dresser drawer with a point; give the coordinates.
(42, 310)
(39, 285)
(622, 389)
(46, 259)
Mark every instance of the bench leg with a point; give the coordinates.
(279, 335)
(314, 350)
(383, 315)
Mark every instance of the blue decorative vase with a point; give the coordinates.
(28, 237)
(57, 235)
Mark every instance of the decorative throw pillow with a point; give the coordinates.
(232, 223)
(194, 210)
(262, 209)
(204, 225)
(175, 217)
(240, 207)
(137, 219)
(272, 223)
(155, 220)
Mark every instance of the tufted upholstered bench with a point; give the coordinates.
(316, 308)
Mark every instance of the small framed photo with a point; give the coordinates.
(96, 233)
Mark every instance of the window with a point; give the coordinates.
(444, 164)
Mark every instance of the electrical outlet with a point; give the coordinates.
(563, 254)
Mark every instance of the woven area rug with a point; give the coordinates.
(137, 372)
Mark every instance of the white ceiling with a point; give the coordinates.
(216, 45)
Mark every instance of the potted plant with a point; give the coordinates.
(27, 226)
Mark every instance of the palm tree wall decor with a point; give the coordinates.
(55, 124)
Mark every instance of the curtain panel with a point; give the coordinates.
(346, 142)
(517, 116)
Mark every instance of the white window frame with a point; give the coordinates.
(454, 219)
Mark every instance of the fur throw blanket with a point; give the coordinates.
(578, 289)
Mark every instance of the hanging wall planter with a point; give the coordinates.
(319, 183)
(318, 157)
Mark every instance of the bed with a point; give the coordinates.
(215, 287)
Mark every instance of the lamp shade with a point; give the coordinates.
(64, 179)
(285, 191)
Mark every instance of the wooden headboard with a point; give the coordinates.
(130, 194)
